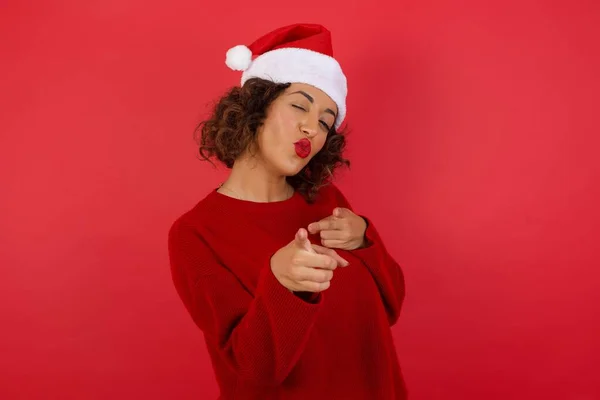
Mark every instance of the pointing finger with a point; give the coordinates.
(324, 225)
(302, 240)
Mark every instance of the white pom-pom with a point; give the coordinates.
(238, 58)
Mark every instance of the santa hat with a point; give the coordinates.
(299, 53)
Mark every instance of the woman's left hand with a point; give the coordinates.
(342, 230)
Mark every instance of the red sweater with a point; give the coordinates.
(266, 342)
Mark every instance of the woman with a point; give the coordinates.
(294, 292)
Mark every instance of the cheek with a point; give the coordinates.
(282, 124)
(319, 142)
(271, 130)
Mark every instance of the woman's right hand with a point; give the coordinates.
(303, 267)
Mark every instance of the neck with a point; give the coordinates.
(251, 181)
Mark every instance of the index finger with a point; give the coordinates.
(301, 239)
(327, 224)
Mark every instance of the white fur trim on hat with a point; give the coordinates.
(238, 58)
(295, 65)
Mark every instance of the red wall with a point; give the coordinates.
(484, 117)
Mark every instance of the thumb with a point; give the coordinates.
(331, 253)
(302, 241)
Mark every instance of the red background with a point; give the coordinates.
(474, 125)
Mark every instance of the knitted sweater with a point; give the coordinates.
(266, 342)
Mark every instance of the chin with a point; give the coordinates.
(292, 171)
(287, 164)
(293, 167)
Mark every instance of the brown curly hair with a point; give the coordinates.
(232, 128)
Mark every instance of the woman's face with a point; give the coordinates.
(295, 128)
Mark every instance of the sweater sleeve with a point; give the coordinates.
(260, 335)
(385, 270)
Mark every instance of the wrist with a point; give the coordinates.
(365, 241)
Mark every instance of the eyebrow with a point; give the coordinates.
(310, 98)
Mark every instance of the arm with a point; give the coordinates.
(260, 336)
(385, 270)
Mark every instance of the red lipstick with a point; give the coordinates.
(303, 148)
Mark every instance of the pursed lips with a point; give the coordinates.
(303, 147)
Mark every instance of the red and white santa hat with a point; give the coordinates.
(299, 53)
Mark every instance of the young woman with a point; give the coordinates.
(294, 292)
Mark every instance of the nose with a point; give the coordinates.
(309, 128)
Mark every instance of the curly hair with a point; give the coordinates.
(232, 128)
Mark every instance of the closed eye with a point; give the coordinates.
(323, 123)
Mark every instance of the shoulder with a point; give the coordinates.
(190, 222)
(188, 241)
(182, 233)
